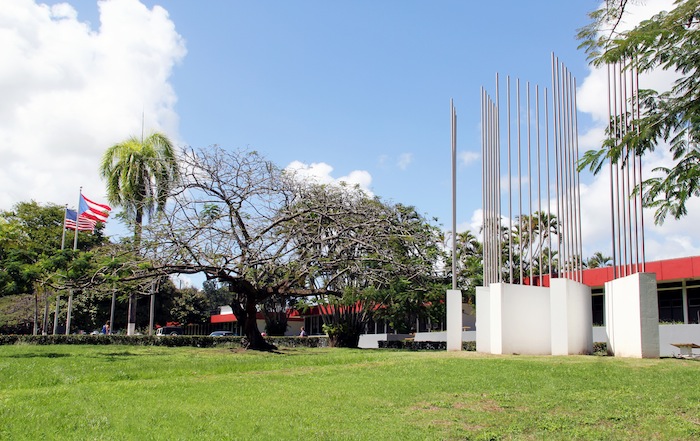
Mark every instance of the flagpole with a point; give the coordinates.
(63, 246)
(63, 235)
(75, 247)
(77, 220)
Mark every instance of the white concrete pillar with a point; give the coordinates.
(483, 321)
(454, 319)
(571, 317)
(632, 316)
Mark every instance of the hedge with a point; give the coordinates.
(146, 340)
(413, 345)
(599, 348)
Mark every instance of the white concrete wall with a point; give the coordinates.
(571, 317)
(442, 336)
(513, 319)
(371, 341)
(669, 334)
(483, 305)
(525, 319)
(454, 319)
(600, 335)
(632, 316)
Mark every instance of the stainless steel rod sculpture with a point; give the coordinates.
(627, 218)
(530, 235)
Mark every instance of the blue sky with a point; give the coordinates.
(359, 88)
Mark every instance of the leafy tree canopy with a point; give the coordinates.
(668, 41)
(30, 238)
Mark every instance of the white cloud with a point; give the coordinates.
(70, 91)
(183, 281)
(404, 161)
(320, 172)
(475, 223)
(466, 158)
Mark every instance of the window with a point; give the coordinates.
(693, 294)
(671, 305)
(314, 325)
(598, 304)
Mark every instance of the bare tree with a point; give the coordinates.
(239, 219)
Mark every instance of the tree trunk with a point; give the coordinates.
(138, 228)
(35, 330)
(45, 326)
(70, 307)
(131, 322)
(255, 339)
(55, 317)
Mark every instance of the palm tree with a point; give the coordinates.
(598, 260)
(139, 175)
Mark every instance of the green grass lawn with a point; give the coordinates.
(157, 393)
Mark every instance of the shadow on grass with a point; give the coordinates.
(39, 355)
(126, 354)
(120, 354)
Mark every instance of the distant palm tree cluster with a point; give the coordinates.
(598, 260)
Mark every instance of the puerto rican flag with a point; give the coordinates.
(92, 210)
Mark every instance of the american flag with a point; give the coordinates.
(84, 224)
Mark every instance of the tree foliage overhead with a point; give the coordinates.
(669, 41)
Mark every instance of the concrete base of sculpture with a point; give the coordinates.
(454, 319)
(632, 316)
(522, 319)
(571, 318)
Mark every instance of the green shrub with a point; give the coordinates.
(299, 342)
(600, 348)
(412, 345)
(342, 335)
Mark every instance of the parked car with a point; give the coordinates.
(221, 334)
(169, 330)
